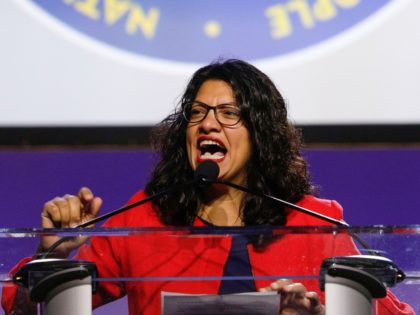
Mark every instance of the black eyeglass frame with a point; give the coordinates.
(188, 107)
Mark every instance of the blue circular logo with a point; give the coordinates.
(199, 31)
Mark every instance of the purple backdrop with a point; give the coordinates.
(375, 186)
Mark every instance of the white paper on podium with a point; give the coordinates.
(255, 303)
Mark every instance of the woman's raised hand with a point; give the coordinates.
(65, 212)
(295, 299)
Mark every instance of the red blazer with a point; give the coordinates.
(174, 255)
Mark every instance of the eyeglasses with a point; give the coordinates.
(226, 114)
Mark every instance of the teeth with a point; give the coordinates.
(209, 142)
(211, 150)
(210, 156)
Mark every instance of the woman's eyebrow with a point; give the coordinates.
(233, 103)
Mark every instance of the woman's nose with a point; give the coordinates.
(210, 123)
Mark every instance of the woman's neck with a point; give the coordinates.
(222, 206)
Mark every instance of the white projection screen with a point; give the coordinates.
(125, 63)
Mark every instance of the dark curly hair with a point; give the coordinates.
(275, 167)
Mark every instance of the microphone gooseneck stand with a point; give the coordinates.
(63, 286)
(350, 282)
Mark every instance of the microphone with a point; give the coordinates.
(212, 166)
(208, 180)
(389, 274)
(205, 174)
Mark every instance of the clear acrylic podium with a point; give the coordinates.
(294, 253)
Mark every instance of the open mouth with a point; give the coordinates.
(211, 150)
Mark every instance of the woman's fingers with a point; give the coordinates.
(293, 295)
(297, 288)
(90, 204)
(315, 303)
(61, 212)
(50, 215)
(295, 299)
(85, 195)
(69, 211)
(74, 210)
(276, 285)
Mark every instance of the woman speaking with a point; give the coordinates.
(232, 114)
